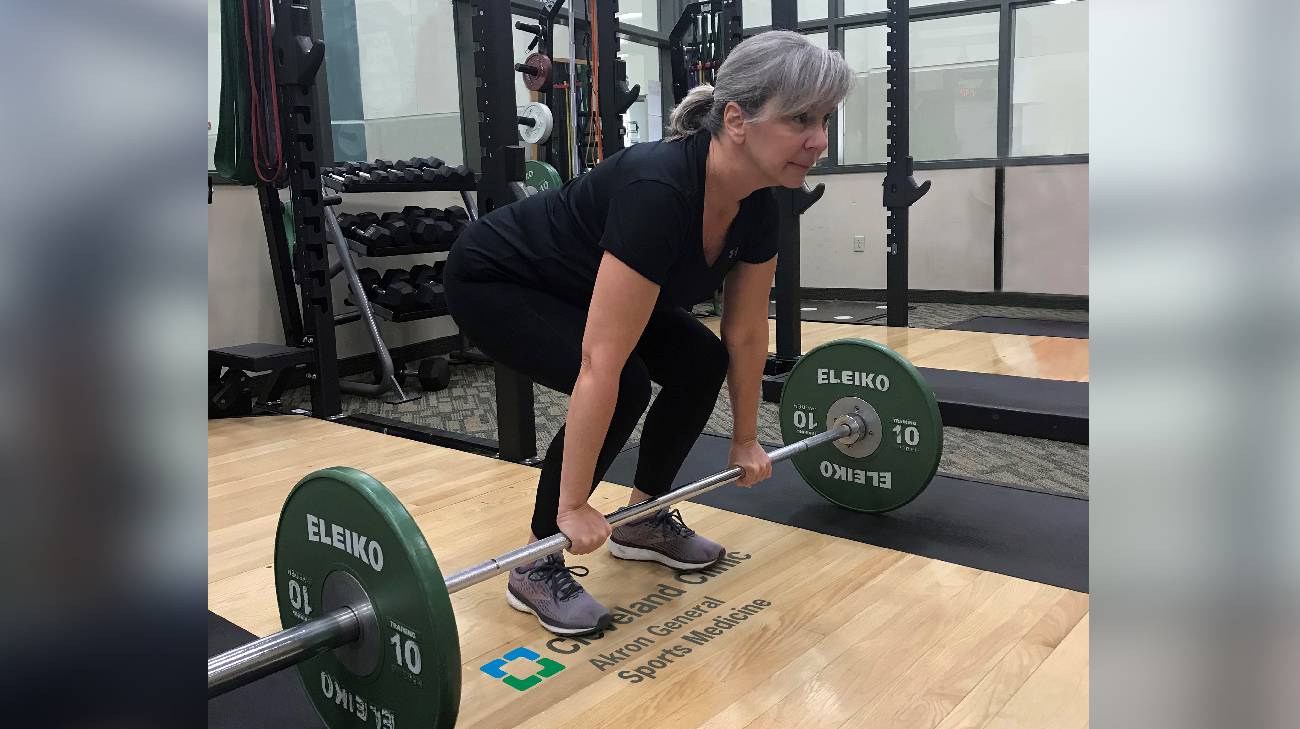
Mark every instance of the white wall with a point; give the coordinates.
(950, 237)
(241, 290)
(1045, 230)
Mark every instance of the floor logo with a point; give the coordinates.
(545, 669)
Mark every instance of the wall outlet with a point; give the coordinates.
(859, 243)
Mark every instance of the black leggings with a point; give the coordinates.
(540, 336)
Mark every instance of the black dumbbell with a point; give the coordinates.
(436, 175)
(435, 374)
(367, 218)
(374, 236)
(456, 212)
(413, 211)
(464, 174)
(438, 267)
(430, 232)
(395, 290)
(347, 221)
(370, 280)
(383, 164)
(400, 230)
(423, 273)
(431, 295)
(392, 215)
(422, 231)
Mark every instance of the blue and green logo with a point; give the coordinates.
(545, 669)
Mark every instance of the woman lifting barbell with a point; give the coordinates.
(586, 289)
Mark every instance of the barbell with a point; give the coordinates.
(366, 611)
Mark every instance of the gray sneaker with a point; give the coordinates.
(547, 590)
(664, 538)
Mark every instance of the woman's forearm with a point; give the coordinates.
(591, 408)
(744, 383)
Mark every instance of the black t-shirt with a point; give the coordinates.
(644, 204)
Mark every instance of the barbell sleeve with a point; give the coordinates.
(853, 427)
(264, 656)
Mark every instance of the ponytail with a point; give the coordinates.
(690, 116)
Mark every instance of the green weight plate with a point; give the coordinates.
(541, 175)
(897, 460)
(341, 532)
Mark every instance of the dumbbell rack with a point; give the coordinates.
(463, 181)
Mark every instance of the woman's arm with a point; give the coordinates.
(745, 334)
(620, 307)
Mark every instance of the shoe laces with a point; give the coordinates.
(560, 578)
(672, 522)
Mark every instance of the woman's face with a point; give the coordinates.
(785, 146)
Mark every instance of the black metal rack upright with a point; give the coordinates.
(501, 164)
(612, 102)
(298, 56)
(788, 347)
(900, 188)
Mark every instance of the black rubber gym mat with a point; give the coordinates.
(1027, 406)
(1026, 534)
(1033, 327)
(275, 702)
(836, 312)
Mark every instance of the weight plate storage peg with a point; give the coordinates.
(344, 540)
(536, 70)
(535, 123)
(899, 455)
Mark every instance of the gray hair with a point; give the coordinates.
(779, 65)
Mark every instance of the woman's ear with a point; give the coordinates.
(733, 122)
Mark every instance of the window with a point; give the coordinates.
(954, 90)
(641, 13)
(813, 10)
(404, 99)
(758, 13)
(858, 7)
(1049, 80)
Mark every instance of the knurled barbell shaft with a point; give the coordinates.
(251, 661)
(264, 656)
(558, 543)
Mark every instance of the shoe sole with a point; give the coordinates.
(638, 554)
(523, 607)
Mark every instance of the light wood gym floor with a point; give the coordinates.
(1051, 358)
(856, 635)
